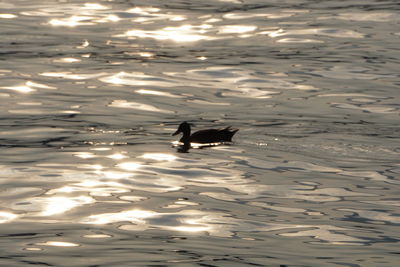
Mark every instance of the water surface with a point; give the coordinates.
(91, 92)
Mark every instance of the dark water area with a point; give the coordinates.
(91, 92)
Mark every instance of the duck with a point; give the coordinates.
(208, 136)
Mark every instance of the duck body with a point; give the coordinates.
(207, 136)
(212, 136)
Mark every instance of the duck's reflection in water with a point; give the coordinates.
(183, 148)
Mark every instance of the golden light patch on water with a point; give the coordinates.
(180, 34)
(190, 221)
(299, 40)
(7, 16)
(134, 216)
(186, 203)
(19, 88)
(29, 111)
(136, 105)
(7, 216)
(28, 87)
(64, 189)
(177, 35)
(129, 166)
(70, 112)
(315, 213)
(96, 167)
(150, 14)
(132, 198)
(146, 54)
(110, 18)
(103, 131)
(246, 15)
(58, 244)
(84, 44)
(211, 20)
(228, 29)
(204, 102)
(96, 6)
(115, 174)
(158, 93)
(180, 204)
(67, 60)
(72, 76)
(94, 188)
(72, 21)
(304, 87)
(176, 143)
(33, 249)
(95, 143)
(84, 155)
(136, 79)
(195, 221)
(87, 14)
(101, 148)
(117, 156)
(177, 18)
(57, 205)
(115, 79)
(159, 156)
(30, 103)
(143, 10)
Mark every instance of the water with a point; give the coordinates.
(91, 92)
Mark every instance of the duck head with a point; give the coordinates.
(184, 128)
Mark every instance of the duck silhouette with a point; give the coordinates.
(208, 136)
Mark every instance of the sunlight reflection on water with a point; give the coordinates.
(136, 105)
(58, 244)
(184, 33)
(91, 93)
(7, 216)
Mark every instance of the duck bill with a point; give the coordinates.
(177, 132)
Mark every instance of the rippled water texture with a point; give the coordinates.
(91, 92)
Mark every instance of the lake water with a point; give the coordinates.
(91, 92)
